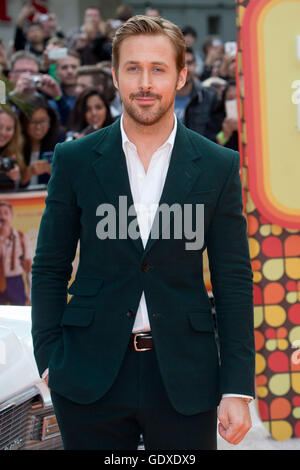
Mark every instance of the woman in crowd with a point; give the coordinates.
(41, 133)
(11, 147)
(90, 113)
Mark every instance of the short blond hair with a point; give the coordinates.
(145, 25)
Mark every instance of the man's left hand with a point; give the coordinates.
(235, 419)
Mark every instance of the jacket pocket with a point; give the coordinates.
(77, 316)
(202, 321)
(85, 286)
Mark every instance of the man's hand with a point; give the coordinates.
(27, 10)
(14, 173)
(49, 86)
(235, 419)
(24, 84)
(46, 379)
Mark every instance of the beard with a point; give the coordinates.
(147, 115)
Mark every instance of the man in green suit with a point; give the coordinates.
(134, 351)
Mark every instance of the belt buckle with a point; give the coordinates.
(135, 342)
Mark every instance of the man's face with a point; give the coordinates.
(191, 66)
(83, 82)
(190, 40)
(35, 34)
(92, 15)
(49, 25)
(66, 70)
(147, 78)
(23, 66)
(152, 12)
(6, 216)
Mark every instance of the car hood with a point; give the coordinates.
(18, 369)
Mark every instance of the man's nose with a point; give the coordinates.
(145, 80)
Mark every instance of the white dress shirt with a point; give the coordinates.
(146, 189)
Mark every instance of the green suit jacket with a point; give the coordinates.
(83, 342)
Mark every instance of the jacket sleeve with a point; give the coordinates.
(231, 278)
(52, 264)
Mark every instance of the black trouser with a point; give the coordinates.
(136, 404)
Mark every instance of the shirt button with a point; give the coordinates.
(130, 313)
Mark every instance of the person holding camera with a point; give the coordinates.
(11, 158)
(41, 133)
(29, 82)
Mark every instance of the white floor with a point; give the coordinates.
(259, 439)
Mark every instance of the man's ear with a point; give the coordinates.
(181, 78)
(114, 76)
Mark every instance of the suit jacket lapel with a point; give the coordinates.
(181, 176)
(111, 171)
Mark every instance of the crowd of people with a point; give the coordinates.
(59, 87)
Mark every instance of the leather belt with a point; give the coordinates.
(141, 341)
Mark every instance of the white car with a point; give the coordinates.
(27, 419)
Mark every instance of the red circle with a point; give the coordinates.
(294, 314)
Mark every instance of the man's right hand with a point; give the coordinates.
(45, 376)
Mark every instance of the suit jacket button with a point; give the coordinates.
(145, 267)
(130, 313)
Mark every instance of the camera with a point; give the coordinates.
(6, 164)
(36, 80)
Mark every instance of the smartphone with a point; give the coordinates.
(48, 156)
(58, 53)
(231, 108)
(230, 48)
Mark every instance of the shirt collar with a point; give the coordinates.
(170, 140)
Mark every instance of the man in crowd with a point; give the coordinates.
(24, 75)
(195, 104)
(152, 12)
(90, 40)
(66, 71)
(190, 36)
(29, 37)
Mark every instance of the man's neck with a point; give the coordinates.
(148, 139)
(39, 46)
(154, 135)
(5, 230)
(68, 90)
